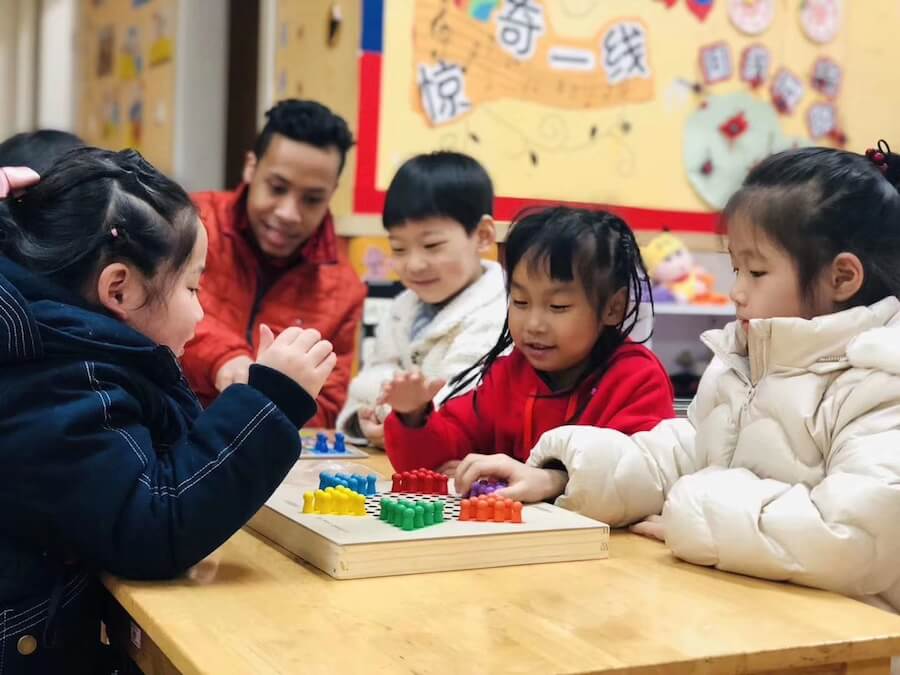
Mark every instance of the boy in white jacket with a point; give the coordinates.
(788, 466)
(438, 214)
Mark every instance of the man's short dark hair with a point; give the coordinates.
(306, 122)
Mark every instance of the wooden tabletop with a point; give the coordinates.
(256, 610)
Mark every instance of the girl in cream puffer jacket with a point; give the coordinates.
(788, 466)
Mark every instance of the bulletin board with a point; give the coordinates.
(656, 108)
(317, 57)
(126, 76)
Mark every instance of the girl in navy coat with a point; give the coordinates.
(107, 461)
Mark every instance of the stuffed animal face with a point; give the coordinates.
(667, 259)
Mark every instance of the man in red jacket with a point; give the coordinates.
(274, 257)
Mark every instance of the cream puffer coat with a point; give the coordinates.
(457, 337)
(788, 466)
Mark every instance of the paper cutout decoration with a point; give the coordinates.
(821, 120)
(724, 139)
(460, 64)
(715, 62)
(826, 77)
(520, 25)
(821, 19)
(700, 8)
(756, 60)
(163, 44)
(787, 92)
(752, 17)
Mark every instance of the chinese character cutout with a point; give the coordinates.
(519, 25)
(755, 63)
(787, 92)
(821, 120)
(826, 77)
(715, 63)
(443, 92)
(625, 53)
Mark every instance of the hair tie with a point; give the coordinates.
(116, 232)
(879, 155)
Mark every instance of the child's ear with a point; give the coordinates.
(614, 312)
(847, 276)
(250, 162)
(485, 234)
(117, 290)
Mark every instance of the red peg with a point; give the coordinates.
(428, 484)
(500, 515)
(516, 512)
(484, 510)
(397, 485)
(465, 510)
(444, 480)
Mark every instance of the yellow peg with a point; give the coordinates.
(309, 503)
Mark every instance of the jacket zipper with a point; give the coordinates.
(254, 311)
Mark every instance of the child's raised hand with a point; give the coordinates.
(652, 527)
(301, 354)
(525, 483)
(409, 394)
(372, 428)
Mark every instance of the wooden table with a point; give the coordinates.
(641, 611)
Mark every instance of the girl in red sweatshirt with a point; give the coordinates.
(575, 281)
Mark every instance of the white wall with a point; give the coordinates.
(18, 26)
(201, 94)
(56, 49)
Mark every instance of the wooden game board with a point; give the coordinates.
(349, 547)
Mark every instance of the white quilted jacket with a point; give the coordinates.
(460, 334)
(788, 467)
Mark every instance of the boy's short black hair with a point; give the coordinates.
(38, 150)
(306, 122)
(439, 185)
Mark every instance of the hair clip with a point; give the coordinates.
(879, 155)
(114, 233)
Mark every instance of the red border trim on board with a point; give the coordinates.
(369, 200)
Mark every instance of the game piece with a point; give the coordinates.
(438, 512)
(409, 517)
(340, 445)
(419, 516)
(370, 484)
(397, 483)
(386, 507)
(323, 501)
(499, 512)
(483, 510)
(429, 513)
(516, 512)
(443, 485)
(309, 500)
(340, 503)
(321, 443)
(465, 512)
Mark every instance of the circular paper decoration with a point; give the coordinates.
(821, 19)
(751, 16)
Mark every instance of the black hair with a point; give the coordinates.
(819, 202)
(95, 207)
(38, 150)
(595, 248)
(439, 185)
(306, 122)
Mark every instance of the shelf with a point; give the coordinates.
(693, 310)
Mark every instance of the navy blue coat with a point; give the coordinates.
(108, 463)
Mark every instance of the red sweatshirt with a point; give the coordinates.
(515, 406)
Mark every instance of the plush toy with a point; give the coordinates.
(675, 277)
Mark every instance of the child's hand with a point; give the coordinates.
(301, 354)
(13, 179)
(371, 427)
(652, 527)
(449, 468)
(233, 371)
(409, 394)
(526, 483)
